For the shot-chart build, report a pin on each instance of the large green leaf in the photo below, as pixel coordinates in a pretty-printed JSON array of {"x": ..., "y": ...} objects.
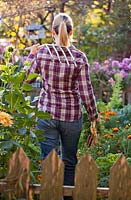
[
  {"x": 18, "y": 78},
  {"x": 32, "y": 76},
  {"x": 27, "y": 87},
  {"x": 14, "y": 98}
]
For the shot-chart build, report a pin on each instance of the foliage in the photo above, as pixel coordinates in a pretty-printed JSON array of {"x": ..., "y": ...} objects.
[
  {"x": 116, "y": 99},
  {"x": 114, "y": 138},
  {"x": 121, "y": 26},
  {"x": 104, "y": 164},
  {"x": 84, "y": 134},
  {"x": 18, "y": 115},
  {"x": 114, "y": 133},
  {"x": 93, "y": 38}
]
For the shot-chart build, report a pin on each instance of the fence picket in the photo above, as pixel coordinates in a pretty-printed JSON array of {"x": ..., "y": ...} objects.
[
  {"x": 17, "y": 179},
  {"x": 85, "y": 179},
  {"x": 120, "y": 180},
  {"x": 52, "y": 177}
]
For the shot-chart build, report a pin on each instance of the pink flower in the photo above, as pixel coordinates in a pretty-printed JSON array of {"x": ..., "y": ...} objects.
[{"x": 111, "y": 81}]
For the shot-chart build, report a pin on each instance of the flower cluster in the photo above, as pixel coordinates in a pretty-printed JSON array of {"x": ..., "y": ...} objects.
[
  {"x": 110, "y": 67},
  {"x": 5, "y": 119},
  {"x": 115, "y": 131},
  {"x": 107, "y": 114}
]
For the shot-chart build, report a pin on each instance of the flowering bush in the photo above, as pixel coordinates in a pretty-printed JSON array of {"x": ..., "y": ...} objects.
[
  {"x": 17, "y": 114},
  {"x": 111, "y": 67},
  {"x": 115, "y": 132},
  {"x": 104, "y": 75}
]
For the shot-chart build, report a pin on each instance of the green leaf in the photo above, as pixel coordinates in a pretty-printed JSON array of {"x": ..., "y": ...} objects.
[
  {"x": 3, "y": 67},
  {"x": 22, "y": 131},
  {"x": 27, "y": 63},
  {"x": 18, "y": 78},
  {"x": 43, "y": 115},
  {"x": 32, "y": 134},
  {"x": 27, "y": 87},
  {"x": 13, "y": 98},
  {"x": 39, "y": 131},
  {"x": 7, "y": 145},
  {"x": 1, "y": 134},
  {"x": 32, "y": 76}
]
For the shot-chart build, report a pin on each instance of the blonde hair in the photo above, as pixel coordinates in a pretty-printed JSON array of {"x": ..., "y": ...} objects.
[{"x": 62, "y": 25}]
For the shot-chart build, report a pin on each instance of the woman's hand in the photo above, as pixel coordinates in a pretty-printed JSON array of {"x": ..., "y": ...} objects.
[
  {"x": 34, "y": 49},
  {"x": 92, "y": 138}
]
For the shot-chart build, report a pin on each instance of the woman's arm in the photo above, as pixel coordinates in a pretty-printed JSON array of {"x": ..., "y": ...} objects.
[{"x": 86, "y": 92}]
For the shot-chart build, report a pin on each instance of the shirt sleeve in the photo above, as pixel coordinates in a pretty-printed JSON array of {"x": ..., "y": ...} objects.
[
  {"x": 34, "y": 64},
  {"x": 86, "y": 91}
]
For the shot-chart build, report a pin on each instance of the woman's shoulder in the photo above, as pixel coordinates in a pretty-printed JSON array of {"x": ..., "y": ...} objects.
[{"x": 78, "y": 53}]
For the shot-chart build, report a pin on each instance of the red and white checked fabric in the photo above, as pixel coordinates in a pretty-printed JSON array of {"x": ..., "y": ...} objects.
[{"x": 65, "y": 82}]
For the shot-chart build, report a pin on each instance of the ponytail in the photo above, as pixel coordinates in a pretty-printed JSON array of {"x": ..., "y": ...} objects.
[
  {"x": 62, "y": 25},
  {"x": 63, "y": 34}
]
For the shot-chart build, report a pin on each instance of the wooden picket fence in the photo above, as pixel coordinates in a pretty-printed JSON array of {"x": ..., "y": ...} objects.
[{"x": 17, "y": 181}]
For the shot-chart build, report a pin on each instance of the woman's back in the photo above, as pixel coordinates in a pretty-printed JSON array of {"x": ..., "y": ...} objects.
[{"x": 59, "y": 68}]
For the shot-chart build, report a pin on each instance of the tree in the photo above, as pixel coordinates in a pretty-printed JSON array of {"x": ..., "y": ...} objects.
[
  {"x": 102, "y": 28},
  {"x": 16, "y": 15}
]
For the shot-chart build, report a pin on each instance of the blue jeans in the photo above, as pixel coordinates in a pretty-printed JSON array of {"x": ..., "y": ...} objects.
[{"x": 63, "y": 133}]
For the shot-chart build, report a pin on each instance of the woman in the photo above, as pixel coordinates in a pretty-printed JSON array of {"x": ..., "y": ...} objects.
[{"x": 65, "y": 85}]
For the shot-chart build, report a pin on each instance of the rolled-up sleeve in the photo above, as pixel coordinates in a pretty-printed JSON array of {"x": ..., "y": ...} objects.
[{"x": 86, "y": 91}]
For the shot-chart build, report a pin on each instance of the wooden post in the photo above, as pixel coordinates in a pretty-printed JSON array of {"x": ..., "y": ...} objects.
[
  {"x": 85, "y": 179},
  {"x": 18, "y": 176},
  {"x": 120, "y": 180},
  {"x": 52, "y": 177}
]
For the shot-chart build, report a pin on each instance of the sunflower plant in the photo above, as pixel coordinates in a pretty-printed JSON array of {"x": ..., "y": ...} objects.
[{"x": 17, "y": 113}]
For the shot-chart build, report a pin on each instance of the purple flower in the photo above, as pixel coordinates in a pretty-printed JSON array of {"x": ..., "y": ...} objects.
[
  {"x": 96, "y": 67},
  {"x": 1, "y": 50},
  {"x": 129, "y": 66},
  {"x": 1, "y": 58},
  {"x": 102, "y": 69},
  {"x": 115, "y": 63},
  {"x": 125, "y": 66},
  {"x": 123, "y": 73},
  {"x": 126, "y": 61}
]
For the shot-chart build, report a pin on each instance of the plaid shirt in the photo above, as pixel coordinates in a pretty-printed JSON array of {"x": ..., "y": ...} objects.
[{"x": 65, "y": 82}]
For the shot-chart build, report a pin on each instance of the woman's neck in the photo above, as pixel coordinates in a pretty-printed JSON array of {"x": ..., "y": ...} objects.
[{"x": 57, "y": 43}]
